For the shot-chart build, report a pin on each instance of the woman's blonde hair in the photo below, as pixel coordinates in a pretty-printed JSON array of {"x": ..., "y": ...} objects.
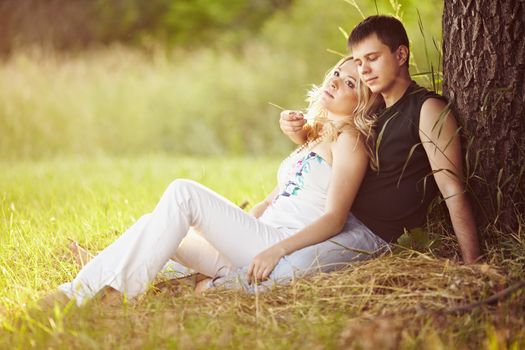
[{"x": 363, "y": 117}]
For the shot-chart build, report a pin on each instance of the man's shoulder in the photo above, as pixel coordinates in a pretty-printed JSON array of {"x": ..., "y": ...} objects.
[
  {"x": 429, "y": 101},
  {"x": 434, "y": 110},
  {"x": 422, "y": 94}
]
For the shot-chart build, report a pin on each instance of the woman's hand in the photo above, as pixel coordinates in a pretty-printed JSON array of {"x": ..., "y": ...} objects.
[{"x": 264, "y": 263}]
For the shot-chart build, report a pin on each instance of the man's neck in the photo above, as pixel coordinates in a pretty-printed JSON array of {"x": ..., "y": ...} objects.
[{"x": 396, "y": 90}]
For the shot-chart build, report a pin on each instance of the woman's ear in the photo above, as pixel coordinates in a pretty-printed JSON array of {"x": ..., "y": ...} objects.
[{"x": 402, "y": 54}]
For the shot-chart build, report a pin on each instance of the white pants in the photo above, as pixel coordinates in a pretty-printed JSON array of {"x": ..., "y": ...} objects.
[
  {"x": 223, "y": 237},
  {"x": 355, "y": 243}
]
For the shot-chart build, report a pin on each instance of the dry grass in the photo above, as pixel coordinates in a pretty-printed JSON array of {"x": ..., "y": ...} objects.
[{"x": 397, "y": 301}]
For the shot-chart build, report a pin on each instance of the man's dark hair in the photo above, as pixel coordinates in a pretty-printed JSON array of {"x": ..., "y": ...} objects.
[{"x": 388, "y": 29}]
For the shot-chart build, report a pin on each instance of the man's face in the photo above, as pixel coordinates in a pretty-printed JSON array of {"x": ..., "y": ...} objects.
[{"x": 378, "y": 67}]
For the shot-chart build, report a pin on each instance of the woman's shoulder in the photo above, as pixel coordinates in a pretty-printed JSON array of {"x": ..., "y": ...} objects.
[
  {"x": 348, "y": 140},
  {"x": 348, "y": 134}
]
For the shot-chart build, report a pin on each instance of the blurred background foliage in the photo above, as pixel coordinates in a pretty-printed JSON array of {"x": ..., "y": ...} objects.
[
  {"x": 67, "y": 24},
  {"x": 125, "y": 77}
]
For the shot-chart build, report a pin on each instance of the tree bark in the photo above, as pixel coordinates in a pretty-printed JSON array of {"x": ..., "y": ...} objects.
[{"x": 484, "y": 79}]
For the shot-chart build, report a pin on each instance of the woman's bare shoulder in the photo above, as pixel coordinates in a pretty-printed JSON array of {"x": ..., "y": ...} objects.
[{"x": 348, "y": 142}]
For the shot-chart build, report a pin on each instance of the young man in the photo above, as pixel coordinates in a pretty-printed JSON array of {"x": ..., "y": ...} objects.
[{"x": 419, "y": 149}]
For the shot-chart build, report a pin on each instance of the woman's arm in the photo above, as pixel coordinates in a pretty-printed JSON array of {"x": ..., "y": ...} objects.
[
  {"x": 349, "y": 164},
  {"x": 258, "y": 209}
]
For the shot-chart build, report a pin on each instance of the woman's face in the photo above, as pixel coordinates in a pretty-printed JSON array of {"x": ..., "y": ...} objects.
[{"x": 340, "y": 91}]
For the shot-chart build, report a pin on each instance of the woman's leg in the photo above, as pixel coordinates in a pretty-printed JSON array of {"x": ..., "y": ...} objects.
[
  {"x": 196, "y": 253},
  {"x": 80, "y": 254},
  {"x": 134, "y": 259}
]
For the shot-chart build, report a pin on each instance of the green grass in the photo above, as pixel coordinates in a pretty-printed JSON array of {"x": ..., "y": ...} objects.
[
  {"x": 122, "y": 101},
  {"x": 92, "y": 201},
  {"x": 62, "y": 113},
  {"x": 396, "y": 301}
]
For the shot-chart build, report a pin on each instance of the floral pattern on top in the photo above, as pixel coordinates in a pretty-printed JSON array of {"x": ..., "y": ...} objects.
[{"x": 303, "y": 166}]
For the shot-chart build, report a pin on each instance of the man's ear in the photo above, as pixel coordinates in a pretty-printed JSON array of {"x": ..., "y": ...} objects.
[{"x": 402, "y": 54}]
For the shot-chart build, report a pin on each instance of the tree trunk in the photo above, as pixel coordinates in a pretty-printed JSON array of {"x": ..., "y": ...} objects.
[{"x": 484, "y": 79}]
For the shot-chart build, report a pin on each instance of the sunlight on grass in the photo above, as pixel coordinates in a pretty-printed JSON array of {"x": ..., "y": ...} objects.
[
  {"x": 126, "y": 101},
  {"x": 93, "y": 201},
  {"x": 121, "y": 101},
  {"x": 90, "y": 140},
  {"x": 401, "y": 300}
]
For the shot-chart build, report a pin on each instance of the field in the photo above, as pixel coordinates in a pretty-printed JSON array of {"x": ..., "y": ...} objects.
[
  {"x": 402, "y": 300},
  {"x": 89, "y": 139}
]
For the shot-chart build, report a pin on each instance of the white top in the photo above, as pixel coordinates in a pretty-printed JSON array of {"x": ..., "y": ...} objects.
[{"x": 303, "y": 180}]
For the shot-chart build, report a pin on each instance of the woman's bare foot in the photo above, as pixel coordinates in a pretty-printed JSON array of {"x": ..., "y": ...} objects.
[
  {"x": 49, "y": 301},
  {"x": 202, "y": 285},
  {"x": 177, "y": 285},
  {"x": 81, "y": 255},
  {"x": 110, "y": 296}
]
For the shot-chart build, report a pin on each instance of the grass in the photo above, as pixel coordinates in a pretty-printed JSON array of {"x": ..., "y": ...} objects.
[
  {"x": 44, "y": 203},
  {"x": 123, "y": 101},
  {"x": 120, "y": 101},
  {"x": 401, "y": 300},
  {"x": 126, "y": 101}
]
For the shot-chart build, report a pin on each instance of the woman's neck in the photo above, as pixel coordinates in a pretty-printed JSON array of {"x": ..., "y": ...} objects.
[{"x": 336, "y": 117}]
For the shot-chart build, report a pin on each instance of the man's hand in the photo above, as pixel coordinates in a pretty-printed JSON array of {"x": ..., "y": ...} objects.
[
  {"x": 292, "y": 124},
  {"x": 264, "y": 263}
]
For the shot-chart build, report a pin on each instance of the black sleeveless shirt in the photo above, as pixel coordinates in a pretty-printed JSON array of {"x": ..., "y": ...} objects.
[{"x": 392, "y": 199}]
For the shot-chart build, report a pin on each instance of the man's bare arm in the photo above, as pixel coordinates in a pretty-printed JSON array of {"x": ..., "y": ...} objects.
[{"x": 438, "y": 132}]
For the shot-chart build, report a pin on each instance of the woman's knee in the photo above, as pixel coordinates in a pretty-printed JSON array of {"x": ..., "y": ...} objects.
[
  {"x": 181, "y": 184},
  {"x": 180, "y": 187}
]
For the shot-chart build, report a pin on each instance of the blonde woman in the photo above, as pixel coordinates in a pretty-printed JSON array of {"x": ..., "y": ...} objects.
[{"x": 317, "y": 184}]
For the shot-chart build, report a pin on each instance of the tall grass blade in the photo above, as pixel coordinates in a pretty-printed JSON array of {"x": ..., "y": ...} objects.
[
  {"x": 422, "y": 31},
  {"x": 344, "y": 33},
  {"x": 407, "y": 160},
  {"x": 276, "y": 105},
  {"x": 441, "y": 119},
  {"x": 432, "y": 173},
  {"x": 354, "y": 4},
  {"x": 377, "y": 8},
  {"x": 396, "y": 6},
  {"x": 452, "y": 138},
  {"x": 380, "y": 138},
  {"x": 340, "y": 54}
]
